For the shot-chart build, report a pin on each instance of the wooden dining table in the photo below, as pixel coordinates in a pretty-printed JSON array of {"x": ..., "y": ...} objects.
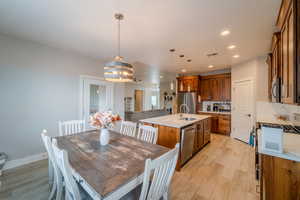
[{"x": 108, "y": 172}]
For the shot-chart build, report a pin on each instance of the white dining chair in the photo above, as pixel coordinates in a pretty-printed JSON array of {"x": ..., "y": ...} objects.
[
  {"x": 147, "y": 133},
  {"x": 162, "y": 170},
  {"x": 55, "y": 174},
  {"x": 72, "y": 190},
  {"x": 71, "y": 127},
  {"x": 128, "y": 128}
]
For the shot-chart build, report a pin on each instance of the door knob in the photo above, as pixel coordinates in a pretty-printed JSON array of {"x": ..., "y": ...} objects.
[{"x": 249, "y": 115}]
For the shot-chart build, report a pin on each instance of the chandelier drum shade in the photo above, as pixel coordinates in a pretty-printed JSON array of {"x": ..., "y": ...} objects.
[{"x": 118, "y": 70}]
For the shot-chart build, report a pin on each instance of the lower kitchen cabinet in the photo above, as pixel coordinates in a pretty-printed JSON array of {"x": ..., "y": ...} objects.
[
  {"x": 279, "y": 178},
  {"x": 202, "y": 136},
  {"x": 220, "y": 123}
]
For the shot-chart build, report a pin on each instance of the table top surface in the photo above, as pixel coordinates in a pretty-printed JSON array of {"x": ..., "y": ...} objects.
[{"x": 106, "y": 168}]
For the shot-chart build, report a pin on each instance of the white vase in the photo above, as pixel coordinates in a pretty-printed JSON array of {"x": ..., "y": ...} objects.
[{"x": 104, "y": 136}]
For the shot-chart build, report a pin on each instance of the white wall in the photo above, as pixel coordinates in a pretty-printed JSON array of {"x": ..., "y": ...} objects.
[
  {"x": 40, "y": 85},
  {"x": 264, "y": 110},
  {"x": 257, "y": 70}
]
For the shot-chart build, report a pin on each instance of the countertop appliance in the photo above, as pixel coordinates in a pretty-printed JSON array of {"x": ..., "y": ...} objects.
[
  {"x": 187, "y": 143},
  {"x": 189, "y": 99}
]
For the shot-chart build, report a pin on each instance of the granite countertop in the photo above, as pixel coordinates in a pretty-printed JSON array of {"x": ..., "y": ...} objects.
[
  {"x": 291, "y": 147},
  {"x": 174, "y": 120},
  {"x": 212, "y": 112},
  {"x": 278, "y": 121}
]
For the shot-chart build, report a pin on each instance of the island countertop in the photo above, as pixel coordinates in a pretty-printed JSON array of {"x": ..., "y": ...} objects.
[{"x": 174, "y": 120}]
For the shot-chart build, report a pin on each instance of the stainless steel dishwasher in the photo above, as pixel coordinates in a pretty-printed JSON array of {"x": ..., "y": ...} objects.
[{"x": 187, "y": 142}]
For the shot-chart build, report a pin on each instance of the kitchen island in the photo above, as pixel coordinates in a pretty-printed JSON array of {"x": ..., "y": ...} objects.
[{"x": 190, "y": 130}]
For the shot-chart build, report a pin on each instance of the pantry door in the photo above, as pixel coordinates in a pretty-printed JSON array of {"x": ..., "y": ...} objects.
[
  {"x": 242, "y": 109},
  {"x": 97, "y": 96}
]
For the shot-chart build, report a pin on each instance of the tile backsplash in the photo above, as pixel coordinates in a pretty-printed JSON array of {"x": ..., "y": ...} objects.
[{"x": 270, "y": 111}]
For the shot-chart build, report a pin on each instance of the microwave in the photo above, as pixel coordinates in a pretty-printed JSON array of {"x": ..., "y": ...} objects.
[{"x": 276, "y": 90}]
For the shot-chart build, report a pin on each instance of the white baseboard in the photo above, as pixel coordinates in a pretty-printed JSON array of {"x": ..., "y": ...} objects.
[{"x": 23, "y": 161}]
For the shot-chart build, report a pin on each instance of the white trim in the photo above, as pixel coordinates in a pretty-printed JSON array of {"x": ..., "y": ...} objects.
[{"x": 23, "y": 161}]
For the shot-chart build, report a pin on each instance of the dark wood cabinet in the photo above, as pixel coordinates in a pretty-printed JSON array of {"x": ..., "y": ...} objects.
[
  {"x": 199, "y": 137},
  {"x": 274, "y": 61},
  {"x": 215, "y": 124},
  {"x": 207, "y": 130},
  {"x": 187, "y": 83},
  {"x": 220, "y": 123},
  {"x": 205, "y": 90},
  {"x": 216, "y": 87},
  {"x": 224, "y": 124},
  {"x": 279, "y": 178},
  {"x": 287, "y": 55},
  {"x": 285, "y": 58}
]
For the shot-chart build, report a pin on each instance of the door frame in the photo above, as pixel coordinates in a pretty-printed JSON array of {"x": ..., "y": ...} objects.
[
  {"x": 253, "y": 112},
  {"x": 83, "y": 79}
]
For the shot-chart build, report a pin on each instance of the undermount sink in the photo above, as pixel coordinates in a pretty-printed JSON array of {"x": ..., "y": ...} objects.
[{"x": 188, "y": 118}]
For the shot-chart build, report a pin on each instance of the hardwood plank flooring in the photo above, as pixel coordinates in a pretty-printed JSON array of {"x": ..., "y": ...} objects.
[{"x": 223, "y": 170}]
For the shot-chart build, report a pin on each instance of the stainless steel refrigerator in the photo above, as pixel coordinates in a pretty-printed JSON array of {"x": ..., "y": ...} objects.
[{"x": 189, "y": 99}]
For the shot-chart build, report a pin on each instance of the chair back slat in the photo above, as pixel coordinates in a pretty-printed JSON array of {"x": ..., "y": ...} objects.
[
  {"x": 128, "y": 128},
  {"x": 148, "y": 134},
  {"x": 163, "y": 168},
  {"x": 71, "y": 127}
]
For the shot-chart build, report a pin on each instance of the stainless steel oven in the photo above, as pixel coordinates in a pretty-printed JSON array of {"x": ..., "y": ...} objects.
[{"x": 276, "y": 90}]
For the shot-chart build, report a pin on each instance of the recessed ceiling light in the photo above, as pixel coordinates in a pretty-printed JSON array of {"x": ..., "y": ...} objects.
[
  {"x": 210, "y": 66},
  {"x": 225, "y": 32},
  {"x": 172, "y": 50},
  {"x": 183, "y": 70},
  {"x": 181, "y": 56},
  {"x": 231, "y": 47},
  {"x": 236, "y": 56}
]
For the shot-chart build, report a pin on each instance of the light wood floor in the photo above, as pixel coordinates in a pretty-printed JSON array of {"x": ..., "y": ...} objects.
[{"x": 223, "y": 170}]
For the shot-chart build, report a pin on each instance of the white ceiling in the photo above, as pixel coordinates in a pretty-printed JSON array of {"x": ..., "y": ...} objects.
[{"x": 149, "y": 30}]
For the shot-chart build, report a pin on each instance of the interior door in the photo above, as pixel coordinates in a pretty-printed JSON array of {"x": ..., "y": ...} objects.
[
  {"x": 97, "y": 97},
  {"x": 138, "y": 100},
  {"x": 242, "y": 111}
]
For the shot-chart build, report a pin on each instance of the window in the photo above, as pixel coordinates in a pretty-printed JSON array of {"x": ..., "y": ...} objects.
[{"x": 154, "y": 100}]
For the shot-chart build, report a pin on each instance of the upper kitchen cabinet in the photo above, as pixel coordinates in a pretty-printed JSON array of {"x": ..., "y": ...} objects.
[
  {"x": 188, "y": 83},
  {"x": 274, "y": 62},
  {"x": 287, "y": 57},
  {"x": 216, "y": 87}
]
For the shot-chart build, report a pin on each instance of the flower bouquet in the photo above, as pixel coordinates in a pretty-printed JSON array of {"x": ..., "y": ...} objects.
[{"x": 104, "y": 121}]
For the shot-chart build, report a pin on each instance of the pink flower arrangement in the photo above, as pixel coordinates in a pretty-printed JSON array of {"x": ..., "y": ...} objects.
[{"x": 104, "y": 119}]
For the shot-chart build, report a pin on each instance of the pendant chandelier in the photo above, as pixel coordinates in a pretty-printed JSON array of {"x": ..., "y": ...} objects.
[{"x": 118, "y": 70}]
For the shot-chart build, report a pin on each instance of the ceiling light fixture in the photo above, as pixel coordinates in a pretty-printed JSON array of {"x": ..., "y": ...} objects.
[
  {"x": 236, "y": 56},
  {"x": 161, "y": 77},
  {"x": 210, "y": 66},
  {"x": 183, "y": 70},
  {"x": 118, "y": 70},
  {"x": 225, "y": 32},
  {"x": 231, "y": 47}
]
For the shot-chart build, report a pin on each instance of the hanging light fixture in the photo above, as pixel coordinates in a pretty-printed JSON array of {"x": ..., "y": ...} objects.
[{"x": 118, "y": 70}]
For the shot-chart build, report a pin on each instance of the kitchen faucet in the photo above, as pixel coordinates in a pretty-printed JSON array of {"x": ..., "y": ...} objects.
[{"x": 186, "y": 108}]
